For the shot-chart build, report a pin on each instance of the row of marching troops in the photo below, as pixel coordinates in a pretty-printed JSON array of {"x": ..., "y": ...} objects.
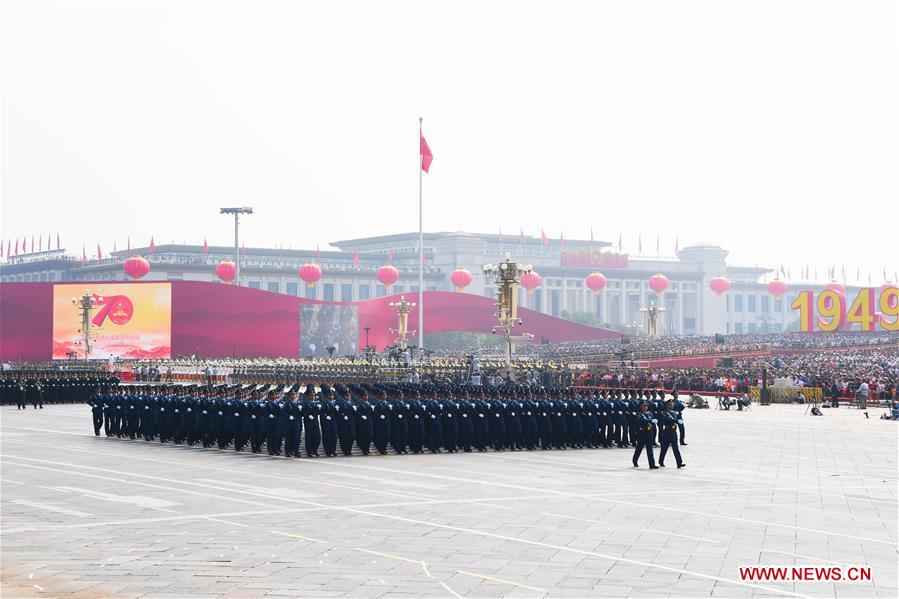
[
  {"x": 401, "y": 418},
  {"x": 53, "y": 387}
]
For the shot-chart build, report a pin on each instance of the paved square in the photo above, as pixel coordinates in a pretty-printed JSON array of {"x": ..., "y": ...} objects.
[{"x": 92, "y": 516}]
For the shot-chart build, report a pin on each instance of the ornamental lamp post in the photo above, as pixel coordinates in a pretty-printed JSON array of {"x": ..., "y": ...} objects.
[{"x": 507, "y": 276}]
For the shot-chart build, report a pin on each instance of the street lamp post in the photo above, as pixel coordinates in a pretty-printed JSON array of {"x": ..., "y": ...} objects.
[{"x": 236, "y": 212}]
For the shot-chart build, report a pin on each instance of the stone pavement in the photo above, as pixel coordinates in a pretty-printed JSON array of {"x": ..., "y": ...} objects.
[{"x": 98, "y": 517}]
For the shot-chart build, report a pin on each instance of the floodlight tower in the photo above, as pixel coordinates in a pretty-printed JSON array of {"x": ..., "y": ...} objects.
[{"x": 236, "y": 212}]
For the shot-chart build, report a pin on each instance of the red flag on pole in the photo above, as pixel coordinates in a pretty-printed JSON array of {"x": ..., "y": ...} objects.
[
  {"x": 426, "y": 156},
  {"x": 9, "y": 247},
  {"x": 205, "y": 247},
  {"x": 521, "y": 237},
  {"x": 152, "y": 246},
  {"x": 32, "y": 243},
  {"x": 40, "y": 243},
  {"x": 17, "y": 246},
  {"x": 543, "y": 236},
  {"x": 48, "y": 241},
  {"x": 355, "y": 258},
  {"x": 1, "y": 249},
  {"x": 58, "y": 246},
  {"x": 129, "y": 244},
  {"x": 83, "y": 254},
  {"x": 99, "y": 252}
]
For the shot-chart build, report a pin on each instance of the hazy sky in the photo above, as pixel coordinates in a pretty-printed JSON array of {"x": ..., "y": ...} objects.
[{"x": 769, "y": 128}]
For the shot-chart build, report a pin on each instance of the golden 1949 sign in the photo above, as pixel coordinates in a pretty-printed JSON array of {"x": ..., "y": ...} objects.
[{"x": 593, "y": 259}]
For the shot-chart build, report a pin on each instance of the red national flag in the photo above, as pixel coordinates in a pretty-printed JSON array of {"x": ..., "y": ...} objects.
[
  {"x": 58, "y": 246},
  {"x": 152, "y": 247},
  {"x": 17, "y": 246},
  {"x": 425, "y": 151},
  {"x": 129, "y": 244},
  {"x": 48, "y": 242},
  {"x": 205, "y": 247},
  {"x": 32, "y": 243},
  {"x": 99, "y": 252},
  {"x": 9, "y": 247},
  {"x": 1, "y": 249},
  {"x": 521, "y": 237},
  {"x": 355, "y": 258},
  {"x": 40, "y": 243},
  {"x": 562, "y": 238},
  {"x": 543, "y": 236},
  {"x": 83, "y": 254}
]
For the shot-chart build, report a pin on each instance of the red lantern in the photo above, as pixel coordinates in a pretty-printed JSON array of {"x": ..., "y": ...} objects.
[
  {"x": 719, "y": 285},
  {"x": 136, "y": 267},
  {"x": 461, "y": 278},
  {"x": 388, "y": 275},
  {"x": 777, "y": 287},
  {"x": 530, "y": 281},
  {"x": 834, "y": 286},
  {"x": 596, "y": 281},
  {"x": 310, "y": 273},
  {"x": 226, "y": 270},
  {"x": 658, "y": 283}
]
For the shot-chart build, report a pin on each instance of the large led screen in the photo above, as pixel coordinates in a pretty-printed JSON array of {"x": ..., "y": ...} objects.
[
  {"x": 328, "y": 325},
  {"x": 125, "y": 320}
]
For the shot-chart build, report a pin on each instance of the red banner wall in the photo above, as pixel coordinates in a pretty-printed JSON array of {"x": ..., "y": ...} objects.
[{"x": 215, "y": 320}]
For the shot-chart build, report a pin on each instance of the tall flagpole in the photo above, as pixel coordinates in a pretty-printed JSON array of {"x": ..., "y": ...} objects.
[{"x": 421, "y": 256}]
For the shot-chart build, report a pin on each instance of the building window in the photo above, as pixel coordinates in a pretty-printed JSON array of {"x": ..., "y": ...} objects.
[
  {"x": 689, "y": 324},
  {"x": 255, "y": 285},
  {"x": 328, "y": 292},
  {"x": 431, "y": 288},
  {"x": 398, "y": 289},
  {"x": 738, "y": 327},
  {"x": 727, "y": 298},
  {"x": 380, "y": 291},
  {"x": 293, "y": 289},
  {"x": 738, "y": 305},
  {"x": 310, "y": 292},
  {"x": 766, "y": 303},
  {"x": 364, "y": 292},
  {"x": 346, "y": 292},
  {"x": 555, "y": 303},
  {"x": 778, "y": 305},
  {"x": 751, "y": 303},
  {"x": 274, "y": 286},
  {"x": 538, "y": 300}
]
